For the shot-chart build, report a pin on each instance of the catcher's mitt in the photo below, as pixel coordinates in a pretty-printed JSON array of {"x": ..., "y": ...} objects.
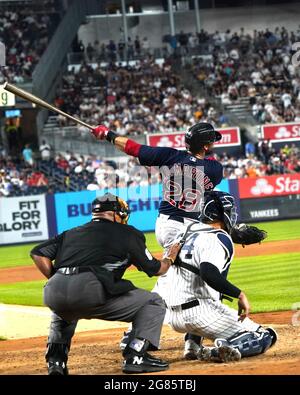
[{"x": 246, "y": 234}]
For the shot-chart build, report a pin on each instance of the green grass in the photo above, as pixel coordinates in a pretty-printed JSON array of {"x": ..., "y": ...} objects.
[
  {"x": 29, "y": 293},
  {"x": 13, "y": 256},
  {"x": 270, "y": 282},
  {"x": 281, "y": 230},
  {"x": 278, "y": 230},
  {"x": 2, "y": 338}
]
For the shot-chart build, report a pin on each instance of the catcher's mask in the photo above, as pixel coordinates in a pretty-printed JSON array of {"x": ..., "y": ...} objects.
[
  {"x": 110, "y": 202},
  {"x": 219, "y": 206}
]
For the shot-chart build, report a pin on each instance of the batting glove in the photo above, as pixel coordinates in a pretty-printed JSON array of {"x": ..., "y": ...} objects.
[{"x": 100, "y": 132}]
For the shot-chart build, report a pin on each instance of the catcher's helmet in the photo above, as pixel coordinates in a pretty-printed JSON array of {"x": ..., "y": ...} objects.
[
  {"x": 200, "y": 134},
  {"x": 110, "y": 202},
  {"x": 219, "y": 206}
]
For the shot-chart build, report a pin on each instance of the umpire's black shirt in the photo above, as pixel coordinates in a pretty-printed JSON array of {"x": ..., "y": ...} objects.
[{"x": 106, "y": 248}]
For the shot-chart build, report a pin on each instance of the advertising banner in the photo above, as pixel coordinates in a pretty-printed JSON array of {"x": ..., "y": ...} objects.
[
  {"x": 23, "y": 219},
  {"x": 281, "y": 132},
  {"x": 277, "y": 185},
  {"x": 230, "y": 137},
  {"x": 270, "y": 208},
  {"x": 74, "y": 208}
]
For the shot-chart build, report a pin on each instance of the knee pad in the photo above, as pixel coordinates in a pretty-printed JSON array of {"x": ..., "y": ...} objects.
[
  {"x": 249, "y": 343},
  {"x": 57, "y": 352}
]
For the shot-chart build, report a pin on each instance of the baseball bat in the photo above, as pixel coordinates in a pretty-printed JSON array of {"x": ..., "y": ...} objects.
[{"x": 36, "y": 100}]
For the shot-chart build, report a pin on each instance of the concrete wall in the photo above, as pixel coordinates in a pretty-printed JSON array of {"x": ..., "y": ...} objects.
[{"x": 154, "y": 27}]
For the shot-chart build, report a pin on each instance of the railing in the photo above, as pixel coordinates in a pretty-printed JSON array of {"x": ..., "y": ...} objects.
[
  {"x": 71, "y": 139},
  {"x": 106, "y": 56}
]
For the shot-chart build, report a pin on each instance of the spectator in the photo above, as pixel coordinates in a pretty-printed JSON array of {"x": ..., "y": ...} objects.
[
  {"x": 137, "y": 46},
  {"x": 45, "y": 151},
  {"x": 183, "y": 41},
  {"x": 145, "y": 45},
  {"x": 90, "y": 52},
  {"x": 249, "y": 149},
  {"x": 28, "y": 155}
]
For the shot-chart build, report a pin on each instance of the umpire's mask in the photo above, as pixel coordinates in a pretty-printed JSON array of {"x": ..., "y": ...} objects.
[
  {"x": 110, "y": 202},
  {"x": 219, "y": 206}
]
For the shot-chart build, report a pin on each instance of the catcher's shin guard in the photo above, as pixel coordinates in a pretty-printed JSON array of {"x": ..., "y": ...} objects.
[
  {"x": 57, "y": 358},
  {"x": 248, "y": 343}
]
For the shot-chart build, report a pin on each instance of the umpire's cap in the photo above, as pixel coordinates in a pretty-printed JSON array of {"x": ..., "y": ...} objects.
[
  {"x": 219, "y": 206},
  {"x": 110, "y": 202},
  {"x": 200, "y": 134}
]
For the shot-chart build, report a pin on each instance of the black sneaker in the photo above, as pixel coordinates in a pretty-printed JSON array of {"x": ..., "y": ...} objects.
[
  {"x": 143, "y": 364},
  {"x": 57, "y": 368}
]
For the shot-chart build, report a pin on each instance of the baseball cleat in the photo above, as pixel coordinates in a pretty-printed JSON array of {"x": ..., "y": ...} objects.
[
  {"x": 191, "y": 350},
  {"x": 273, "y": 334},
  {"x": 143, "y": 364},
  {"x": 219, "y": 354},
  {"x": 229, "y": 354},
  {"x": 57, "y": 368}
]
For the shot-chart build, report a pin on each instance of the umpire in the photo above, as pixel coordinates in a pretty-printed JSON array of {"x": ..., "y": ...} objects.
[{"x": 86, "y": 282}]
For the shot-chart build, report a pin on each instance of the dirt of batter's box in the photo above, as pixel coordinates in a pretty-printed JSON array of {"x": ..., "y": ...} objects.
[{"x": 97, "y": 353}]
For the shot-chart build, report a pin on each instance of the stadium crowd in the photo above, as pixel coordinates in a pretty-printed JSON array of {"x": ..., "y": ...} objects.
[
  {"x": 26, "y": 30},
  {"x": 70, "y": 172},
  {"x": 257, "y": 66},
  {"x": 148, "y": 97},
  {"x": 143, "y": 98}
]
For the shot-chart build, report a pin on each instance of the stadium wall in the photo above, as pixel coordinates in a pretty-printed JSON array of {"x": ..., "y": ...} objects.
[
  {"x": 156, "y": 26},
  {"x": 35, "y": 218}
]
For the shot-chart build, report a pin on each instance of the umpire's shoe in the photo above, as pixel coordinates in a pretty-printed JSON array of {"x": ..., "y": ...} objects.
[
  {"x": 137, "y": 360},
  {"x": 57, "y": 368},
  {"x": 57, "y": 358}
]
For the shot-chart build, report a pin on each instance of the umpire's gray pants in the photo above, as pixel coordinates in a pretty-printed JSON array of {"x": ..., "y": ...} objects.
[{"x": 77, "y": 296}]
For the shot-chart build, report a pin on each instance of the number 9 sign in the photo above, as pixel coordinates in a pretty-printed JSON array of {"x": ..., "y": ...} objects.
[{"x": 7, "y": 99}]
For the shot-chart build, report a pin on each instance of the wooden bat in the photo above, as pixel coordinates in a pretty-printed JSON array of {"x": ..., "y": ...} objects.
[{"x": 36, "y": 100}]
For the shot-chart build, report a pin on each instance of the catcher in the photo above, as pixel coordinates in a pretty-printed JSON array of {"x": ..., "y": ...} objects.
[{"x": 195, "y": 284}]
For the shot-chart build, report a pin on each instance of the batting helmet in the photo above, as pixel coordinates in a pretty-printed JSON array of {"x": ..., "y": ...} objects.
[
  {"x": 110, "y": 202},
  {"x": 219, "y": 206},
  {"x": 200, "y": 134}
]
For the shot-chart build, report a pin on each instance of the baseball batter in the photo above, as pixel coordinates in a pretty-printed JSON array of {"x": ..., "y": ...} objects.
[
  {"x": 194, "y": 287},
  {"x": 186, "y": 175}
]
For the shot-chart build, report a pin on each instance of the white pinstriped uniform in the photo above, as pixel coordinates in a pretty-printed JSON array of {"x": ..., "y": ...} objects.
[
  {"x": 211, "y": 318},
  {"x": 166, "y": 232}
]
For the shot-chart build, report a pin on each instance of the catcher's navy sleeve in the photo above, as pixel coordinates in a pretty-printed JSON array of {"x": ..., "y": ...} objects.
[{"x": 211, "y": 275}]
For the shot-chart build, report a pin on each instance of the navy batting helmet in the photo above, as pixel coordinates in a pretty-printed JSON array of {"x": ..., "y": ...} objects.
[
  {"x": 110, "y": 202},
  {"x": 219, "y": 206},
  {"x": 200, "y": 134}
]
